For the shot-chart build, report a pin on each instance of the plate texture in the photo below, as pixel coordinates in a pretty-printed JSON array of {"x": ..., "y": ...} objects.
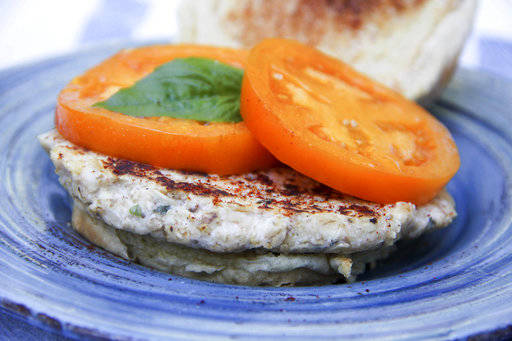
[{"x": 449, "y": 284}]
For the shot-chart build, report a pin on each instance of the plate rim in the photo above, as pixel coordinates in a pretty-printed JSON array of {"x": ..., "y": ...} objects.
[{"x": 20, "y": 309}]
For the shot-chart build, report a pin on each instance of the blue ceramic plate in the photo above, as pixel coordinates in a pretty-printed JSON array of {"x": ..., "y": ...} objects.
[{"x": 449, "y": 284}]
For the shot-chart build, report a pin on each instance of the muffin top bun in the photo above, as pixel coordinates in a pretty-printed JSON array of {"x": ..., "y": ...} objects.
[{"x": 409, "y": 45}]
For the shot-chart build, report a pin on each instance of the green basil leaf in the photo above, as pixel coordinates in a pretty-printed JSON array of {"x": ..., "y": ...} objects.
[
  {"x": 137, "y": 211},
  {"x": 192, "y": 88}
]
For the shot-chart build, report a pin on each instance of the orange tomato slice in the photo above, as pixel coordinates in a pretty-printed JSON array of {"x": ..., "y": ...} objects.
[
  {"x": 329, "y": 122},
  {"x": 222, "y": 148}
]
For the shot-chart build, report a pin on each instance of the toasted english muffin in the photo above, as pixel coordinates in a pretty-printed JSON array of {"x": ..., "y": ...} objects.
[{"x": 411, "y": 46}]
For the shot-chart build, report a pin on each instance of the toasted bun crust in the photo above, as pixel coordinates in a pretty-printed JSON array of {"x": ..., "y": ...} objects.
[{"x": 409, "y": 45}]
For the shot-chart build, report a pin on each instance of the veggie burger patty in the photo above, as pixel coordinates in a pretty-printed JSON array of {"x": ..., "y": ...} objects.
[{"x": 272, "y": 227}]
